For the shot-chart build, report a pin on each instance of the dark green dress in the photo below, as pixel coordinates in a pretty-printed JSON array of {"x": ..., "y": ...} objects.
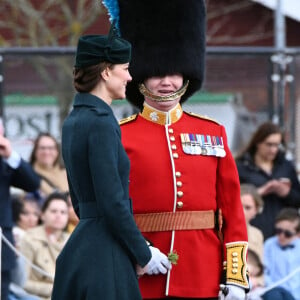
[{"x": 98, "y": 261}]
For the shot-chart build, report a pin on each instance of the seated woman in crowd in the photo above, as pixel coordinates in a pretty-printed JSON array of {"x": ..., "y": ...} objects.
[
  {"x": 26, "y": 215},
  {"x": 46, "y": 161},
  {"x": 252, "y": 205},
  {"x": 42, "y": 244},
  {"x": 263, "y": 164}
]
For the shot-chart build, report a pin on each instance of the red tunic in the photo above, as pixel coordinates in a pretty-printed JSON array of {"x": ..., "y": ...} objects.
[{"x": 163, "y": 178}]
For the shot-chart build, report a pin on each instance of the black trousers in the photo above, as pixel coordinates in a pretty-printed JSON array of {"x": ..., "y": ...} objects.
[{"x": 5, "y": 280}]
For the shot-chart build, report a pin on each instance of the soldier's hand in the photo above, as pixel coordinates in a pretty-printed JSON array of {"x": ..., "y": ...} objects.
[
  {"x": 159, "y": 262},
  {"x": 232, "y": 292}
]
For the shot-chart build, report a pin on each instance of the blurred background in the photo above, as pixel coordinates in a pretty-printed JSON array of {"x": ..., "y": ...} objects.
[{"x": 252, "y": 68}]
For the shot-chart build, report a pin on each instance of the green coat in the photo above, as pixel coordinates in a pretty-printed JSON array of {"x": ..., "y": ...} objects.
[{"x": 98, "y": 262}]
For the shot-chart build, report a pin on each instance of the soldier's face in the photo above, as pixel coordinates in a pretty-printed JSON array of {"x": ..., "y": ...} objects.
[{"x": 164, "y": 86}]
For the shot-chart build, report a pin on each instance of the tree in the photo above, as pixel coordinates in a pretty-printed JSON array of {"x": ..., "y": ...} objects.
[{"x": 35, "y": 23}]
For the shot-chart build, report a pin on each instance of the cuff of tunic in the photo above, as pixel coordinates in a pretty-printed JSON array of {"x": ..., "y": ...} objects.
[{"x": 236, "y": 265}]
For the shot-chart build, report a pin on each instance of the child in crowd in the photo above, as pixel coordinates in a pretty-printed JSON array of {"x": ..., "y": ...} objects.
[
  {"x": 257, "y": 290},
  {"x": 282, "y": 252},
  {"x": 26, "y": 215}
]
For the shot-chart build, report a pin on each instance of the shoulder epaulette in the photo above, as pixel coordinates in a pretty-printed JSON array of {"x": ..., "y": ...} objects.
[
  {"x": 202, "y": 117},
  {"x": 128, "y": 119}
]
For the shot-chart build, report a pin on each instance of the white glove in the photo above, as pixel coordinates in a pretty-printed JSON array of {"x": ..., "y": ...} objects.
[
  {"x": 232, "y": 292},
  {"x": 158, "y": 263},
  {"x": 235, "y": 293}
]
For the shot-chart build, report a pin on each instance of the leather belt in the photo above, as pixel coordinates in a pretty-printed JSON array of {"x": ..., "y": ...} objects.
[{"x": 183, "y": 220}]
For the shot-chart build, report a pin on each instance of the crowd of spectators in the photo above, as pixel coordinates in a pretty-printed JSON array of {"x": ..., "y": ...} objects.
[
  {"x": 37, "y": 216},
  {"x": 270, "y": 194}
]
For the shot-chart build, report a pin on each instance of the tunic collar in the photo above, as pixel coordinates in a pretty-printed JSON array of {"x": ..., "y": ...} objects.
[{"x": 161, "y": 117}]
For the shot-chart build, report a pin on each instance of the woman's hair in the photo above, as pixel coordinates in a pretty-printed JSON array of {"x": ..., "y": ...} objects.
[
  {"x": 32, "y": 159},
  {"x": 250, "y": 189},
  {"x": 18, "y": 205},
  {"x": 54, "y": 196},
  {"x": 261, "y": 133},
  {"x": 17, "y": 208},
  {"x": 85, "y": 79}
]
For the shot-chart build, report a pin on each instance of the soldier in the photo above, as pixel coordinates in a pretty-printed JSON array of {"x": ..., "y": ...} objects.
[{"x": 182, "y": 172}]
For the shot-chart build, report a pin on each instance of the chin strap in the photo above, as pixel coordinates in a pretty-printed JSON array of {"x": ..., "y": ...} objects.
[{"x": 143, "y": 90}]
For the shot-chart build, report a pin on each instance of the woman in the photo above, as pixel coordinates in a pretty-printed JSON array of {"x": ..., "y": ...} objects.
[
  {"x": 252, "y": 205},
  {"x": 45, "y": 160},
  {"x": 42, "y": 244},
  {"x": 263, "y": 164},
  {"x": 26, "y": 215},
  {"x": 99, "y": 260}
]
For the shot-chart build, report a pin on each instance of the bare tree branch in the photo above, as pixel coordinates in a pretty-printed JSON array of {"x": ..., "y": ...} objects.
[{"x": 49, "y": 23}]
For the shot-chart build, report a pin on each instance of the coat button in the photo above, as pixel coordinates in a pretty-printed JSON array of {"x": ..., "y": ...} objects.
[
  {"x": 179, "y": 204},
  {"x": 179, "y": 194},
  {"x": 172, "y": 138},
  {"x": 175, "y": 155},
  {"x": 174, "y": 147},
  {"x": 179, "y": 183},
  {"x": 178, "y": 174},
  {"x": 171, "y": 130}
]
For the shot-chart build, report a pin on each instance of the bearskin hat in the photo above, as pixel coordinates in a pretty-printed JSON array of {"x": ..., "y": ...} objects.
[{"x": 167, "y": 37}]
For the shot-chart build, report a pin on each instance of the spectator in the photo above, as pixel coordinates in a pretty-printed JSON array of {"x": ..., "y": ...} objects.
[
  {"x": 252, "y": 205},
  {"x": 26, "y": 214},
  {"x": 14, "y": 171},
  {"x": 255, "y": 268},
  {"x": 263, "y": 164},
  {"x": 282, "y": 252},
  {"x": 257, "y": 291},
  {"x": 41, "y": 245},
  {"x": 73, "y": 219},
  {"x": 46, "y": 161}
]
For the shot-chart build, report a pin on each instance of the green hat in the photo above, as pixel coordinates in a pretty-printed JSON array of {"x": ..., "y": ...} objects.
[{"x": 94, "y": 49}]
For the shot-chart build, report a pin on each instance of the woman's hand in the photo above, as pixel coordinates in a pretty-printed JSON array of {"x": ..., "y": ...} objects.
[
  {"x": 279, "y": 187},
  {"x": 140, "y": 271},
  {"x": 266, "y": 189},
  {"x": 282, "y": 187}
]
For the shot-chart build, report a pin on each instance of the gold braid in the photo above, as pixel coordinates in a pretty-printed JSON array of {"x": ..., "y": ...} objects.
[{"x": 157, "y": 98}]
